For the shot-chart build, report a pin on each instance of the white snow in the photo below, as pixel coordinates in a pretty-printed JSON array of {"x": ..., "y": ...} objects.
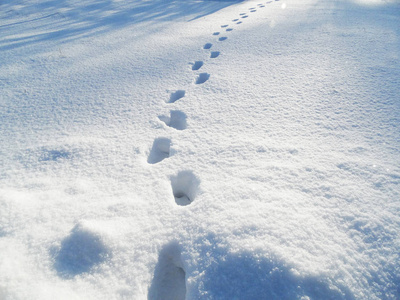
[{"x": 188, "y": 149}]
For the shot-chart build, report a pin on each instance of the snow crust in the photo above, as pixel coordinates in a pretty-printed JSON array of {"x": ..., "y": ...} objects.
[{"x": 199, "y": 149}]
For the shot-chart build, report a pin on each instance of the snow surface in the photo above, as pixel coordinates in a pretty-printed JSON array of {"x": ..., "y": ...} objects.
[{"x": 182, "y": 149}]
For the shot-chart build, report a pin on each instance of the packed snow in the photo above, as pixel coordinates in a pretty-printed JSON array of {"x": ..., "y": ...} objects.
[{"x": 194, "y": 149}]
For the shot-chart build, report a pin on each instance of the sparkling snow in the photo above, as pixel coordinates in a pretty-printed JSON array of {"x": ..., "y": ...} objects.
[{"x": 189, "y": 149}]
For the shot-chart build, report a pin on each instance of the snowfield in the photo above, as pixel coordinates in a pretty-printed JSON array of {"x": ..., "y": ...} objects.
[{"x": 194, "y": 149}]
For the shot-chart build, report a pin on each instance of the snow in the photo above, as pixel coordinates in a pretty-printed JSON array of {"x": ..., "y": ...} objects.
[{"x": 199, "y": 149}]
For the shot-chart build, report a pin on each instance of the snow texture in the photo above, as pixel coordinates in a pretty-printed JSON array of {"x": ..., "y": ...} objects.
[{"x": 185, "y": 149}]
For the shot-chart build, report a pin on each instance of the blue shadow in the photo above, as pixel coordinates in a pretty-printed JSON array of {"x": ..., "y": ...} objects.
[
  {"x": 248, "y": 276},
  {"x": 91, "y": 19},
  {"x": 80, "y": 252},
  {"x": 54, "y": 155}
]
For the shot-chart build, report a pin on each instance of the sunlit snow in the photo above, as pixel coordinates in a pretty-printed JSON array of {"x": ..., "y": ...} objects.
[{"x": 197, "y": 149}]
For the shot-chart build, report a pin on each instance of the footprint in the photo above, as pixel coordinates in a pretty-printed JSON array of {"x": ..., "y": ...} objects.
[
  {"x": 222, "y": 38},
  {"x": 197, "y": 65},
  {"x": 207, "y": 46},
  {"x": 216, "y": 33},
  {"x": 235, "y": 20},
  {"x": 159, "y": 151},
  {"x": 214, "y": 54},
  {"x": 254, "y": 10},
  {"x": 242, "y": 14},
  {"x": 203, "y": 77},
  {"x": 175, "y": 96},
  {"x": 244, "y": 17},
  {"x": 185, "y": 186},
  {"x": 239, "y": 22},
  {"x": 177, "y": 120},
  {"x": 169, "y": 276},
  {"x": 223, "y": 26},
  {"x": 229, "y": 29}
]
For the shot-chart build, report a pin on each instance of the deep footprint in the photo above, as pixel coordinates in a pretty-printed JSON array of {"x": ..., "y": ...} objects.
[
  {"x": 235, "y": 20},
  {"x": 244, "y": 17},
  {"x": 175, "y": 96},
  {"x": 214, "y": 54},
  {"x": 197, "y": 65},
  {"x": 216, "y": 33},
  {"x": 229, "y": 29},
  {"x": 223, "y": 26},
  {"x": 203, "y": 77},
  {"x": 169, "y": 276},
  {"x": 222, "y": 38},
  {"x": 185, "y": 186},
  {"x": 177, "y": 120},
  {"x": 239, "y": 22},
  {"x": 207, "y": 46},
  {"x": 159, "y": 151}
]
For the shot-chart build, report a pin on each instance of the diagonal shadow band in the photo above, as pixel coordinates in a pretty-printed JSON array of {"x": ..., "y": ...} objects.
[{"x": 86, "y": 19}]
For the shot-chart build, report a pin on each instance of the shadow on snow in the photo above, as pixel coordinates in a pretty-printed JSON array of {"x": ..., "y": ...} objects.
[
  {"x": 248, "y": 275},
  {"x": 80, "y": 252},
  {"x": 62, "y": 21}
]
